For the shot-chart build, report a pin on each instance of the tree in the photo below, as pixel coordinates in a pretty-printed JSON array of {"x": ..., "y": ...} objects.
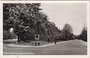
[
  {"x": 26, "y": 20},
  {"x": 66, "y": 32},
  {"x": 68, "y": 28},
  {"x": 83, "y": 35}
]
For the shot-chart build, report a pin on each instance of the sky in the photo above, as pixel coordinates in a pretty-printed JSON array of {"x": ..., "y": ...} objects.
[{"x": 74, "y": 14}]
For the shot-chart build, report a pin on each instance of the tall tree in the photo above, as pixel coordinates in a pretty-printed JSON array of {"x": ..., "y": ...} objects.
[
  {"x": 67, "y": 32},
  {"x": 68, "y": 28},
  {"x": 83, "y": 35},
  {"x": 26, "y": 19}
]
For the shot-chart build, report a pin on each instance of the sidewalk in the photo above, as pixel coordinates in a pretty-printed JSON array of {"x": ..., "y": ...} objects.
[{"x": 46, "y": 45}]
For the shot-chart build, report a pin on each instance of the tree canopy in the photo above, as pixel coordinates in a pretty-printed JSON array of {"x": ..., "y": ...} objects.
[
  {"x": 83, "y": 35},
  {"x": 68, "y": 28},
  {"x": 67, "y": 32},
  {"x": 27, "y": 20}
]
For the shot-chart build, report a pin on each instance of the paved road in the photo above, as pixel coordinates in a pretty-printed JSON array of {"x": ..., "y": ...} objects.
[{"x": 72, "y": 47}]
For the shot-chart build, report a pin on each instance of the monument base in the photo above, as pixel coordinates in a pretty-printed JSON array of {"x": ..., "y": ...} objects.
[{"x": 37, "y": 43}]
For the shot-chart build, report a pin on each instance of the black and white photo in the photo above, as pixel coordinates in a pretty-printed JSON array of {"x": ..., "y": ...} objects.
[{"x": 45, "y": 29}]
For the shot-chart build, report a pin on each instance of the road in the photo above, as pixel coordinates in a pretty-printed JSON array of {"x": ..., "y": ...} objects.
[{"x": 72, "y": 47}]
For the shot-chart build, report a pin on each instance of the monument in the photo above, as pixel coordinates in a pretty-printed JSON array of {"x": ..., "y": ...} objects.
[{"x": 37, "y": 37}]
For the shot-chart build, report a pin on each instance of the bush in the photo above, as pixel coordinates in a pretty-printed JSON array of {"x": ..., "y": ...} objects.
[{"x": 8, "y": 35}]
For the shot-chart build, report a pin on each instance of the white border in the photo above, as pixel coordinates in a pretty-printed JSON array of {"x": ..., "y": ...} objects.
[
  {"x": 40, "y": 56},
  {"x": 44, "y": 1}
]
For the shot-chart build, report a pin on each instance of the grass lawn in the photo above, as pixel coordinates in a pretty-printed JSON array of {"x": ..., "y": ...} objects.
[{"x": 72, "y": 47}]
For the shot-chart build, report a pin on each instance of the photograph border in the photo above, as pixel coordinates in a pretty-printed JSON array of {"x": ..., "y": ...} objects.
[{"x": 40, "y": 56}]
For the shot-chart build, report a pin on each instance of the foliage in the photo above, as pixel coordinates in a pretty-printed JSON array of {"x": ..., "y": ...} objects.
[
  {"x": 83, "y": 35},
  {"x": 27, "y": 20},
  {"x": 67, "y": 28},
  {"x": 8, "y": 35},
  {"x": 66, "y": 33}
]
